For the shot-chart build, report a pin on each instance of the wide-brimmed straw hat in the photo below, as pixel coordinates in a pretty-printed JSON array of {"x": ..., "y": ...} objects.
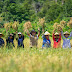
[
  {"x": 1, "y": 34},
  {"x": 33, "y": 31},
  {"x": 56, "y": 33},
  {"x": 46, "y": 33},
  {"x": 19, "y": 33},
  {"x": 66, "y": 33}
]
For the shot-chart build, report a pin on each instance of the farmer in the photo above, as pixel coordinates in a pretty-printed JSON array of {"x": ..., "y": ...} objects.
[
  {"x": 20, "y": 39},
  {"x": 10, "y": 40},
  {"x": 46, "y": 40},
  {"x": 66, "y": 39},
  {"x": 1, "y": 40},
  {"x": 33, "y": 38},
  {"x": 56, "y": 40}
]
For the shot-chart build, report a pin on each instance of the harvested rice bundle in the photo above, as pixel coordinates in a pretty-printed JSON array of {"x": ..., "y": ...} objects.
[
  {"x": 10, "y": 24},
  {"x": 27, "y": 26},
  {"x": 7, "y": 26},
  {"x": 71, "y": 18},
  {"x": 69, "y": 24},
  {"x": 59, "y": 27},
  {"x": 63, "y": 23},
  {"x": 41, "y": 22},
  {"x": 55, "y": 25},
  {"x": 15, "y": 25}
]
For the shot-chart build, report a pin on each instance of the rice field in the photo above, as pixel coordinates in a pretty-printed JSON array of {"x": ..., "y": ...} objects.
[{"x": 35, "y": 60}]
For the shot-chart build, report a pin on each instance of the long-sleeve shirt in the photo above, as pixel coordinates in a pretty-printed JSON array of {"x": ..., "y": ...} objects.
[
  {"x": 10, "y": 41},
  {"x": 66, "y": 41},
  {"x": 46, "y": 42},
  {"x": 1, "y": 42},
  {"x": 57, "y": 42},
  {"x": 20, "y": 40}
]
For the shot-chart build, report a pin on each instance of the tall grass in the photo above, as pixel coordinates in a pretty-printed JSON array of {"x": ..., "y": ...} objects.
[{"x": 35, "y": 60}]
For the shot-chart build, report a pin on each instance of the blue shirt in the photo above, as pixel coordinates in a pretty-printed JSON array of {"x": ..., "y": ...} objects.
[
  {"x": 46, "y": 43},
  {"x": 10, "y": 41},
  {"x": 1, "y": 41},
  {"x": 20, "y": 41},
  {"x": 66, "y": 41}
]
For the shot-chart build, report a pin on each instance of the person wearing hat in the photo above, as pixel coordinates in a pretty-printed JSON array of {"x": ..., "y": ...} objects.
[
  {"x": 56, "y": 39},
  {"x": 10, "y": 40},
  {"x": 66, "y": 36},
  {"x": 46, "y": 40},
  {"x": 20, "y": 39},
  {"x": 1, "y": 40},
  {"x": 33, "y": 38}
]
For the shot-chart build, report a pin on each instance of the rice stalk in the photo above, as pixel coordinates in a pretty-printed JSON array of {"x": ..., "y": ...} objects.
[
  {"x": 27, "y": 26},
  {"x": 63, "y": 23},
  {"x": 15, "y": 25}
]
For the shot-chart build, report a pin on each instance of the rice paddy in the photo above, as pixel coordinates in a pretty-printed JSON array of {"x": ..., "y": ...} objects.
[{"x": 35, "y": 60}]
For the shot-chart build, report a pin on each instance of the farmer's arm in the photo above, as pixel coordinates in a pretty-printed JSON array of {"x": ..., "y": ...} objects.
[
  {"x": 62, "y": 35},
  {"x": 23, "y": 36},
  {"x": 3, "y": 42},
  {"x": 28, "y": 33},
  {"x": 16, "y": 36},
  {"x": 71, "y": 35},
  {"x": 44, "y": 42},
  {"x": 53, "y": 34},
  {"x": 7, "y": 40},
  {"x": 43, "y": 36},
  {"x": 13, "y": 44},
  {"x": 7, "y": 34},
  {"x": 38, "y": 32}
]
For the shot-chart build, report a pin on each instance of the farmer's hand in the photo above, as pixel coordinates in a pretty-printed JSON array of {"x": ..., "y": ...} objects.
[
  {"x": 38, "y": 29},
  {"x": 53, "y": 30},
  {"x": 47, "y": 42},
  {"x": 16, "y": 31},
  {"x": 61, "y": 29},
  {"x": 22, "y": 33}
]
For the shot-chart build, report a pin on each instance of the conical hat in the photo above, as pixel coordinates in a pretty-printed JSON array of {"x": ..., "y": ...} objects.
[
  {"x": 46, "y": 33},
  {"x": 66, "y": 33},
  {"x": 1, "y": 34},
  {"x": 56, "y": 33}
]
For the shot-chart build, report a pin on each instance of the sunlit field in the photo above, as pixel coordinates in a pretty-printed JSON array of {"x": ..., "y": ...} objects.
[{"x": 35, "y": 60}]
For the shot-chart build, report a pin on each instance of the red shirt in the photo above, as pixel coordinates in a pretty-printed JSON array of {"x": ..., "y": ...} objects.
[{"x": 57, "y": 44}]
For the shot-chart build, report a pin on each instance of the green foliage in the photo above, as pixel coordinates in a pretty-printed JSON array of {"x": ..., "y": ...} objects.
[
  {"x": 32, "y": 10},
  {"x": 20, "y": 10}
]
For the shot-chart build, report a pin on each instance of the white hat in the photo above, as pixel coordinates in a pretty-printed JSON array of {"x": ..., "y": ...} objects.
[
  {"x": 66, "y": 33},
  {"x": 46, "y": 33},
  {"x": 19, "y": 33},
  {"x": 56, "y": 33},
  {"x": 1, "y": 34}
]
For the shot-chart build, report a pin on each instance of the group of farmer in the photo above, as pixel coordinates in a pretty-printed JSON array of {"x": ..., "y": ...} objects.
[{"x": 66, "y": 36}]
